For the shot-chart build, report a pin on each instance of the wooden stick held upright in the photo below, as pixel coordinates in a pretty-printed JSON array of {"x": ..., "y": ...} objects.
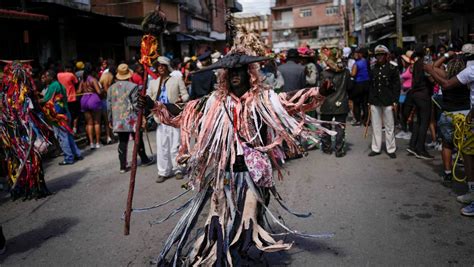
[
  {"x": 369, "y": 115},
  {"x": 153, "y": 24}
]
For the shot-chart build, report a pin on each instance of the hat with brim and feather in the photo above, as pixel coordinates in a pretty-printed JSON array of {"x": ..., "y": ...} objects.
[{"x": 234, "y": 61}]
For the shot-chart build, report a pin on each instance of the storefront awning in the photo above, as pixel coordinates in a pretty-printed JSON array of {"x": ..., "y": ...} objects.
[
  {"x": 181, "y": 37},
  {"x": 13, "y": 14},
  {"x": 131, "y": 26}
]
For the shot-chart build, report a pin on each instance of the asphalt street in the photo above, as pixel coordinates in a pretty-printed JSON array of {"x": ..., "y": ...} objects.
[{"x": 383, "y": 212}]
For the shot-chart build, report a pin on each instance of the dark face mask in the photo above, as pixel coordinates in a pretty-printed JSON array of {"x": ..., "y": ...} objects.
[{"x": 239, "y": 81}]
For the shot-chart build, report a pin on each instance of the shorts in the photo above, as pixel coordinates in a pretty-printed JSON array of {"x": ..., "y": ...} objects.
[
  {"x": 446, "y": 127},
  {"x": 91, "y": 102}
]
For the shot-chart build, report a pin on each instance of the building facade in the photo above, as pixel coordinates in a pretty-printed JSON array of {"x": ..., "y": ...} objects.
[
  {"x": 427, "y": 22},
  {"x": 314, "y": 23}
]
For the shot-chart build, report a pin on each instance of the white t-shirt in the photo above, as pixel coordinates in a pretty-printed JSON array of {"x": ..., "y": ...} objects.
[
  {"x": 466, "y": 77},
  {"x": 176, "y": 73}
]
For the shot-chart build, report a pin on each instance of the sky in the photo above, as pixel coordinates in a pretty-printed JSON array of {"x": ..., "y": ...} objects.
[{"x": 256, "y": 6}]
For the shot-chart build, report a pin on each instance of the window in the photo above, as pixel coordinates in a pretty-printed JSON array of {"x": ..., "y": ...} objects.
[
  {"x": 332, "y": 10},
  {"x": 305, "y": 12}
]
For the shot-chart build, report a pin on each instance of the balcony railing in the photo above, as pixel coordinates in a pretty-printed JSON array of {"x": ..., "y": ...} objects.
[{"x": 282, "y": 24}]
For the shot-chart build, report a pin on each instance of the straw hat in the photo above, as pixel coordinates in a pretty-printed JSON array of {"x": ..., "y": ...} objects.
[
  {"x": 407, "y": 56},
  {"x": 80, "y": 65},
  {"x": 165, "y": 61},
  {"x": 123, "y": 72}
]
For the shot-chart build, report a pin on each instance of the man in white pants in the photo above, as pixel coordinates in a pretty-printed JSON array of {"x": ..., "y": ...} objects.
[
  {"x": 168, "y": 90},
  {"x": 383, "y": 96}
]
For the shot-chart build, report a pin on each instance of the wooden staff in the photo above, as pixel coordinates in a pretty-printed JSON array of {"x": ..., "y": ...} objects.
[
  {"x": 133, "y": 171},
  {"x": 369, "y": 115},
  {"x": 153, "y": 24}
]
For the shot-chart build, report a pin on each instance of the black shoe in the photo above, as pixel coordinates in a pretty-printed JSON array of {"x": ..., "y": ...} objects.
[
  {"x": 327, "y": 151},
  {"x": 373, "y": 153},
  {"x": 392, "y": 155},
  {"x": 148, "y": 162},
  {"x": 125, "y": 170},
  {"x": 447, "y": 179},
  {"x": 62, "y": 163},
  {"x": 412, "y": 151},
  {"x": 3, "y": 242},
  {"x": 424, "y": 155},
  {"x": 78, "y": 158},
  {"x": 340, "y": 154}
]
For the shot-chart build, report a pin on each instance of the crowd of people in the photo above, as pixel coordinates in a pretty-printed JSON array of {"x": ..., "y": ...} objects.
[
  {"x": 401, "y": 94},
  {"x": 244, "y": 113}
]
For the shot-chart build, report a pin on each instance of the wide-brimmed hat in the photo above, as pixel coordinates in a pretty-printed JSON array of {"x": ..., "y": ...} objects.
[
  {"x": 232, "y": 61},
  {"x": 79, "y": 65},
  {"x": 292, "y": 53},
  {"x": 407, "y": 57},
  {"x": 123, "y": 72},
  {"x": 381, "y": 49},
  {"x": 165, "y": 61}
]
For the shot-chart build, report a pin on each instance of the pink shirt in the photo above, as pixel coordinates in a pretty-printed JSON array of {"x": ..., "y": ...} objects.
[
  {"x": 407, "y": 77},
  {"x": 68, "y": 80}
]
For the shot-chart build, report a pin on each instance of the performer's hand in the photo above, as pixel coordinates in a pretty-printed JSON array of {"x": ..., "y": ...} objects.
[
  {"x": 327, "y": 88},
  {"x": 145, "y": 102}
]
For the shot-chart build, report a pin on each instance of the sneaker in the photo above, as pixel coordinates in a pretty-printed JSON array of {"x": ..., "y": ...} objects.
[
  {"x": 412, "y": 151},
  {"x": 447, "y": 179},
  {"x": 356, "y": 124},
  {"x": 109, "y": 141},
  {"x": 148, "y": 163},
  {"x": 431, "y": 145},
  {"x": 160, "y": 179},
  {"x": 125, "y": 170},
  {"x": 92, "y": 146},
  {"x": 3, "y": 242},
  {"x": 466, "y": 198},
  {"x": 392, "y": 155},
  {"x": 401, "y": 135},
  {"x": 468, "y": 210},
  {"x": 373, "y": 153},
  {"x": 407, "y": 136},
  {"x": 424, "y": 155},
  {"x": 97, "y": 145},
  {"x": 179, "y": 176}
]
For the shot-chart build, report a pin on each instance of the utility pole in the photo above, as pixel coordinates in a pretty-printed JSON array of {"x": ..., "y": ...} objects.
[
  {"x": 398, "y": 14},
  {"x": 362, "y": 22},
  {"x": 348, "y": 21}
]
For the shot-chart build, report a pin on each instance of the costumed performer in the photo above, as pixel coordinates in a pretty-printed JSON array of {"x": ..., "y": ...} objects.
[{"x": 239, "y": 130}]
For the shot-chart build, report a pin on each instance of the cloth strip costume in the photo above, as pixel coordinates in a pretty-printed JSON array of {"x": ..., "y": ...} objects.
[
  {"x": 239, "y": 132},
  {"x": 25, "y": 131}
]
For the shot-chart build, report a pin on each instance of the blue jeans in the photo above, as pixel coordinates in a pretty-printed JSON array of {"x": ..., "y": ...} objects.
[{"x": 68, "y": 146}]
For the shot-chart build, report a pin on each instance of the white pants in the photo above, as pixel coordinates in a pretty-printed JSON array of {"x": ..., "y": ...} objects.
[
  {"x": 380, "y": 113},
  {"x": 167, "y": 146}
]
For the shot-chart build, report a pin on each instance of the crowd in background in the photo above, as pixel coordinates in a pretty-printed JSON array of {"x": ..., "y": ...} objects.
[{"x": 403, "y": 94}]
